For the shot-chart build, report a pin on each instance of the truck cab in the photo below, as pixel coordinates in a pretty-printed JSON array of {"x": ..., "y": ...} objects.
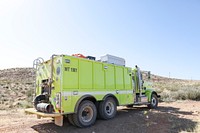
[{"x": 143, "y": 91}]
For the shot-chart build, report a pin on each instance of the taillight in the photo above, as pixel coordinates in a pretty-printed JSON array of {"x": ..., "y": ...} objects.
[{"x": 58, "y": 100}]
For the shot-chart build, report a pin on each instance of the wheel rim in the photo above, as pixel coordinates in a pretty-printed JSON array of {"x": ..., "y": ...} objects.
[
  {"x": 153, "y": 101},
  {"x": 109, "y": 108},
  {"x": 87, "y": 114}
]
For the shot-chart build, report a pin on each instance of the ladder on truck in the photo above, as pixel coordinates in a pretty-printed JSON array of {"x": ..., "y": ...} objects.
[{"x": 36, "y": 63}]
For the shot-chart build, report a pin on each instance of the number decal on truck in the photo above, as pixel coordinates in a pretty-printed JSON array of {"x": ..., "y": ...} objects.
[{"x": 71, "y": 69}]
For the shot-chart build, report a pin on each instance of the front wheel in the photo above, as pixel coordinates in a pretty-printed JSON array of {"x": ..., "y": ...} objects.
[
  {"x": 154, "y": 102},
  {"x": 86, "y": 115}
]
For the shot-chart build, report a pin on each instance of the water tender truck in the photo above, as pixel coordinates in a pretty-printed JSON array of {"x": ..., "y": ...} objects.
[{"x": 81, "y": 88}]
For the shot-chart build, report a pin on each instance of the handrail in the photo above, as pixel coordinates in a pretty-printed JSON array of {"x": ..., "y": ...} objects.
[{"x": 51, "y": 79}]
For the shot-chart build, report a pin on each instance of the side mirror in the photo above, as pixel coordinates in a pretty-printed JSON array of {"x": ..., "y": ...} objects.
[{"x": 149, "y": 75}]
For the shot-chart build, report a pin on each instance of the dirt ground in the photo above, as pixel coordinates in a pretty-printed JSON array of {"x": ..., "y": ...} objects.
[{"x": 175, "y": 117}]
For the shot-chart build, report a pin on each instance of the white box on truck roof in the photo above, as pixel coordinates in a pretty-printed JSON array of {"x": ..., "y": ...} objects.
[{"x": 113, "y": 60}]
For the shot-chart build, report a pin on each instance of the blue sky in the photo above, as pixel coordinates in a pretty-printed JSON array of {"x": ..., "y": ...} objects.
[{"x": 162, "y": 36}]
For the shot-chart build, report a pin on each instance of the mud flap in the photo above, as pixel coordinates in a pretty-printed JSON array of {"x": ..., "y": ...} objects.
[{"x": 59, "y": 120}]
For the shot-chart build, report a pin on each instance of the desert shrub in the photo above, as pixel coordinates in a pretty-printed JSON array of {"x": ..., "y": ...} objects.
[
  {"x": 188, "y": 92},
  {"x": 158, "y": 90},
  {"x": 29, "y": 93},
  {"x": 194, "y": 94},
  {"x": 24, "y": 104},
  {"x": 179, "y": 95},
  {"x": 166, "y": 97},
  {"x": 23, "y": 92}
]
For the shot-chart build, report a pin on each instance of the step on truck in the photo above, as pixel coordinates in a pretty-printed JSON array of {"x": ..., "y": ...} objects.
[{"x": 81, "y": 88}]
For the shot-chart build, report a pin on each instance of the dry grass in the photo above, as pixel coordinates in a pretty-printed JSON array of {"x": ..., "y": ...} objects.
[{"x": 175, "y": 89}]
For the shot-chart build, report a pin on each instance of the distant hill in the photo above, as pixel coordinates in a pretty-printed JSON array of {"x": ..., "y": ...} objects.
[
  {"x": 16, "y": 87},
  {"x": 17, "y": 75}
]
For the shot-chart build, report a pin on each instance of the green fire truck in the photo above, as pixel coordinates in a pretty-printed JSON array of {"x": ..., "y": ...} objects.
[{"x": 81, "y": 88}]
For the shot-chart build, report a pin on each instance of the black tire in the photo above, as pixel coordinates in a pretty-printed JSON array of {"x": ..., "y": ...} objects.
[
  {"x": 154, "y": 102},
  {"x": 86, "y": 115},
  {"x": 107, "y": 108},
  {"x": 70, "y": 119}
]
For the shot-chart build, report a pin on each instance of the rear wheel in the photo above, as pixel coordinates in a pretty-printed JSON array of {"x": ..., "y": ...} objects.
[
  {"x": 154, "y": 102},
  {"x": 107, "y": 108},
  {"x": 86, "y": 115}
]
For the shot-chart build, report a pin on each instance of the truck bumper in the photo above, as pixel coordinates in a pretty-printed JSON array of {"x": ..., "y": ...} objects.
[{"x": 58, "y": 117}]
